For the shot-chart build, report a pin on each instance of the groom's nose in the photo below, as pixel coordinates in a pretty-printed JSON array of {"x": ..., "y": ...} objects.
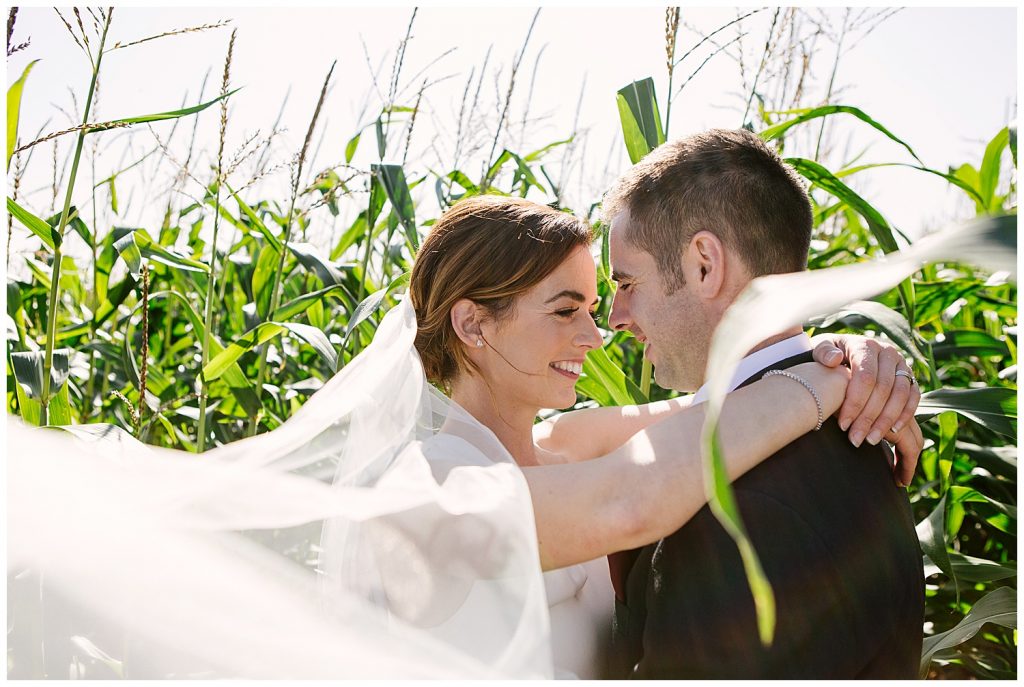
[{"x": 619, "y": 318}]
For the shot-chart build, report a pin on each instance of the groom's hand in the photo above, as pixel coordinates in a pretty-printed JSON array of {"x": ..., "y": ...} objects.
[{"x": 880, "y": 403}]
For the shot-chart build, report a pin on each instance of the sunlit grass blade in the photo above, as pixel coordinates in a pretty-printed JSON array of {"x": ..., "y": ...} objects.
[
  {"x": 14, "y": 109},
  {"x": 971, "y": 190},
  {"x": 989, "y": 172},
  {"x": 40, "y": 228},
  {"x": 160, "y": 116},
  {"x": 806, "y": 114}
]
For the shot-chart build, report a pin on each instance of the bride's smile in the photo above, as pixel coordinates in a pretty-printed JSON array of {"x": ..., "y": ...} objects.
[{"x": 533, "y": 355}]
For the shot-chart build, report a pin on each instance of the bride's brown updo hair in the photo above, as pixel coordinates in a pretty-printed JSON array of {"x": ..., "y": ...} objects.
[{"x": 488, "y": 249}]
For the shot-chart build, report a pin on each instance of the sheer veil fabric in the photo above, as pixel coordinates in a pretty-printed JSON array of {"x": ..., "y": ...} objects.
[{"x": 380, "y": 532}]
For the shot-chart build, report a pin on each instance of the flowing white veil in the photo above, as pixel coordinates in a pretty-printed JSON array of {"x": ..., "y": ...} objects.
[{"x": 380, "y": 532}]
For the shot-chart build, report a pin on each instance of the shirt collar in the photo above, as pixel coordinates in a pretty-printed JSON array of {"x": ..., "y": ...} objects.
[{"x": 760, "y": 359}]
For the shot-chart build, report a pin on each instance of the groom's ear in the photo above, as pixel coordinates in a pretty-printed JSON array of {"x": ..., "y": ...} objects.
[
  {"x": 466, "y": 316},
  {"x": 704, "y": 264}
]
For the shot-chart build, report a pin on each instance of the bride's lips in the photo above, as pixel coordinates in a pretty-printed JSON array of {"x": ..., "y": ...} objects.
[{"x": 569, "y": 374}]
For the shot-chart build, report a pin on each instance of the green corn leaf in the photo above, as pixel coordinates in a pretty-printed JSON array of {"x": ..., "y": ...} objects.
[
  {"x": 948, "y": 425},
  {"x": 350, "y": 147},
  {"x": 59, "y": 410},
  {"x": 879, "y": 227},
  {"x": 972, "y": 191},
  {"x": 310, "y": 257},
  {"x": 316, "y": 315},
  {"x": 998, "y": 460},
  {"x": 28, "y": 376},
  {"x": 160, "y": 116},
  {"x": 931, "y": 533},
  {"x": 29, "y": 408},
  {"x": 1004, "y": 516},
  {"x": 263, "y": 277},
  {"x": 233, "y": 376},
  {"x": 369, "y": 305},
  {"x": 378, "y": 128},
  {"x": 994, "y": 408},
  {"x": 28, "y": 370},
  {"x": 1013, "y": 143},
  {"x": 302, "y": 303},
  {"x": 392, "y": 178},
  {"x": 964, "y": 342},
  {"x": 989, "y": 172},
  {"x": 257, "y": 222},
  {"x": 807, "y": 114},
  {"x": 37, "y": 226},
  {"x": 133, "y": 244},
  {"x": 640, "y": 117},
  {"x": 541, "y": 152},
  {"x": 599, "y": 367},
  {"x": 998, "y": 606},
  {"x": 263, "y": 333},
  {"x": 128, "y": 249},
  {"x": 76, "y": 223},
  {"x": 971, "y": 570},
  {"x": 824, "y": 179},
  {"x": 14, "y": 110}
]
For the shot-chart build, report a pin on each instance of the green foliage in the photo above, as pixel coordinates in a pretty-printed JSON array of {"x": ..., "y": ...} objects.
[{"x": 14, "y": 109}]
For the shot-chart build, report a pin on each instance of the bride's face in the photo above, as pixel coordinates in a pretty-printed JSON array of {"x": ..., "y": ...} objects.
[{"x": 536, "y": 351}]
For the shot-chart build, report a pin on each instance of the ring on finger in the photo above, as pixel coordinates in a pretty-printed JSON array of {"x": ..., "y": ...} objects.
[{"x": 908, "y": 375}]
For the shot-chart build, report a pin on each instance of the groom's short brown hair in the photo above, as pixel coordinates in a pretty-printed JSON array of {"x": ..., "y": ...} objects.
[{"x": 728, "y": 182}]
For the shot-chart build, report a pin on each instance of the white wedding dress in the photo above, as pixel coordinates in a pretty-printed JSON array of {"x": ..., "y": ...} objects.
[
  {"x": 580, "y": 598},
  {"x": 581, "y": 602},
  {"x": 380, "y": 532}
]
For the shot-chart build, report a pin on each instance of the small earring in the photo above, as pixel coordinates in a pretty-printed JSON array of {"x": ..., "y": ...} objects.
[{"x": 479, "y": 343}]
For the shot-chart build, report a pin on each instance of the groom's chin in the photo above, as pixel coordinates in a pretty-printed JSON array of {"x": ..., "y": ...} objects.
[{"x": 667, "y": 378}]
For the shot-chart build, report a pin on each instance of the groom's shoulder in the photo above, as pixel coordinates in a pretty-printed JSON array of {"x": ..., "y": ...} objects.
[{"x": 819, "y": 467}]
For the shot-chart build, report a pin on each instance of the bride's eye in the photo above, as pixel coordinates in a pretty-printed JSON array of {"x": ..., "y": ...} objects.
[
  {"x": 567, "y": 313},
  {"x": 594, "y": 315}
]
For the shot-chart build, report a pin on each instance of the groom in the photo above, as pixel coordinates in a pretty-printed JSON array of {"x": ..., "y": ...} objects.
[{"x": 691, "y": 225}]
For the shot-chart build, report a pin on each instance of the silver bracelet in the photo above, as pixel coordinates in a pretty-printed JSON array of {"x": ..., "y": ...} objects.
[{"x": 807, "y": 385}]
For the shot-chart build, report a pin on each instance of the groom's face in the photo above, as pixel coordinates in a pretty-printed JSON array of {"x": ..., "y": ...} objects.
[{"x": 674, "y": 326}]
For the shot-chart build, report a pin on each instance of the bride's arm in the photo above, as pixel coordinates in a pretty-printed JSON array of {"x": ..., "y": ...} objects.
[
  {"x": 874, "y": 399},
  {"x": 653, "y": 484},
  {"x": 592, "y": 432}
]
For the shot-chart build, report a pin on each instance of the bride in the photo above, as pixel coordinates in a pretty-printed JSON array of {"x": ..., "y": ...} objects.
[{"x": 438, "y": 513}]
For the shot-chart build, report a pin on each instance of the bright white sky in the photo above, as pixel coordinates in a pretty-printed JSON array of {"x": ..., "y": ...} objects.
[{"x": 942, "y": 79}]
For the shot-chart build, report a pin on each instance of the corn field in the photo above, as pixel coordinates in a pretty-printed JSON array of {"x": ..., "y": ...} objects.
[{"x": 219, "y": 321}]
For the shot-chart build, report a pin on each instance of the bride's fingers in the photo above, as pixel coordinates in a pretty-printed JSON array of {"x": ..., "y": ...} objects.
[
  {"x": 907, "y": 444},
  {"x": 898, "y": 409},
  {"x": 862, "y": 427}
]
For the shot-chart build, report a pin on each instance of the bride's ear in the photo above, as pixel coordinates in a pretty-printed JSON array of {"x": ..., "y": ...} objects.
[{"x": 466, "y": 317}]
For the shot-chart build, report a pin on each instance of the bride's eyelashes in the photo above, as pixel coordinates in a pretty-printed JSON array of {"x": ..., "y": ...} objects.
[{"x": 569, "y": 313}]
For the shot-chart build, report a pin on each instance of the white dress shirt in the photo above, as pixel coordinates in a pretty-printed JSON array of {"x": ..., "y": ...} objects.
[{"x": 760, "y": 359}]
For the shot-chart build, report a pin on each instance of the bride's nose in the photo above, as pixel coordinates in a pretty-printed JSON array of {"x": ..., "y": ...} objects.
[{"x": 590, "y": 337}]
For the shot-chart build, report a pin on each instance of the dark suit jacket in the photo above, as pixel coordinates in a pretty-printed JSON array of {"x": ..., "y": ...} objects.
[{"x": 836, "y": 538}]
